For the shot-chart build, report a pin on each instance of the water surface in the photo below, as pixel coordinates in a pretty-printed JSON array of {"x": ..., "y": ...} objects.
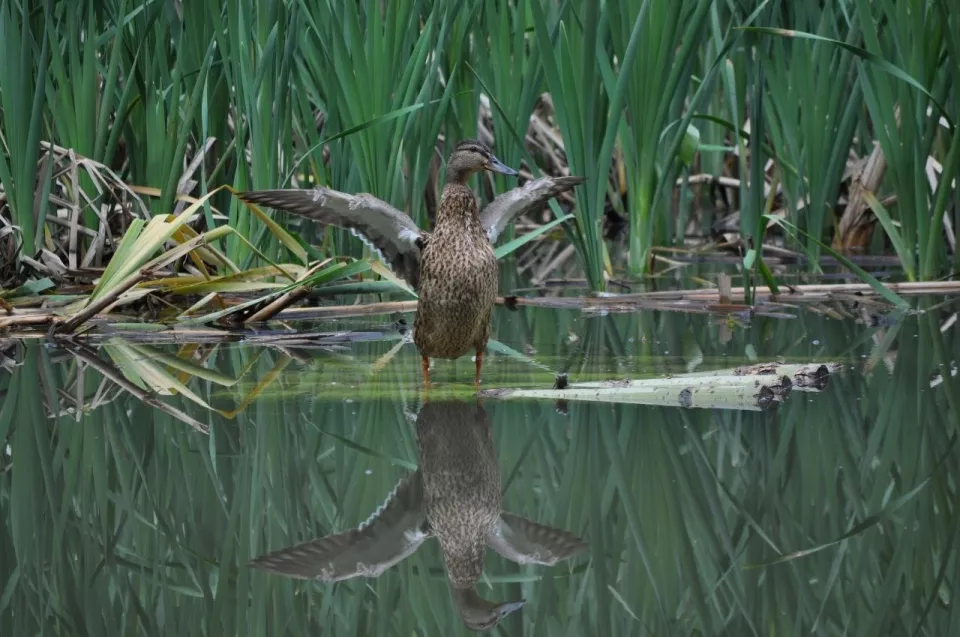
[{"x": 834, "y": 512}]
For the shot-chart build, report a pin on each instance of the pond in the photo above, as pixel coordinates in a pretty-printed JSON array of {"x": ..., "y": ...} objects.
[{"x": 142, "y": 475}]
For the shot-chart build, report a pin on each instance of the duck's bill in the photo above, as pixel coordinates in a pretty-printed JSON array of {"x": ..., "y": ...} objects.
[
  {"x": 498, "y": 166},
  {"x": 508, "y": 607}
]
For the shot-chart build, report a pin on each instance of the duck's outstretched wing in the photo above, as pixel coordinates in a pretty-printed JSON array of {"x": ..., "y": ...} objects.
[
  {"x": 500, "y": 212},
  {"x": 388, "y": 231},
  {"x": 525, "y": 542},
  {"x": 391, "y": 534}
]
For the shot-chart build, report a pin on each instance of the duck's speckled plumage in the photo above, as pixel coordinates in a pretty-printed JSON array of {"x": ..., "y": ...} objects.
[
  {"x": 454, "y": 496},
  {"x": 458, "y": 280},
  {"x": 453, "y": 269},
  {"x": 461, "y": 484}
]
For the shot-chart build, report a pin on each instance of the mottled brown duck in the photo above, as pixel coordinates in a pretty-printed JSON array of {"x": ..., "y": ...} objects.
[
  {"x": 453, "y": 268},
  {"x": 454, "y": 496}
]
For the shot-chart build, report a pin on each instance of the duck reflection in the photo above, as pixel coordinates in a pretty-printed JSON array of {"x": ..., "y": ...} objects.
[{"x": 455, "y": 496}]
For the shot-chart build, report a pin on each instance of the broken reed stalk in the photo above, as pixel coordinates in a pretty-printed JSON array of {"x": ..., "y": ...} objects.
[
  {"x": 84, "y": 315},
  {"x": 856, "y": 223},
  {"x": 753, "y": 393},
  {"x": 279, "y": 304},
  {"x": 280, "y": 309},
  {"x": 793, "y": 294},
  {"x": 27, "y": 320},
  {"x": 344, "y": 311},
  {"x": 110, "y": 372},
  {"x": 286, "y": 299}
]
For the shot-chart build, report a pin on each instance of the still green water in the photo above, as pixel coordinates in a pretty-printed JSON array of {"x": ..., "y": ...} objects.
[{"x": 832, "y": 513}]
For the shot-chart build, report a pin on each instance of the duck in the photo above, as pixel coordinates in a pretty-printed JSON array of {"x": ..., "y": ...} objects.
[
  {"x": 453, "y": 269},
  {"x": 453, "y": 496}
]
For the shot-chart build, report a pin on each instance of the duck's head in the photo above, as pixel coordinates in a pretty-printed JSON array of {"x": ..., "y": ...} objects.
[
  {"x": 479, "y": 614},
  {"x": 471, "y": 156}
]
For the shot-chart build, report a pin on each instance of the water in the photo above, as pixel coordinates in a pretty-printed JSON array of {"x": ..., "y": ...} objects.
[{"x": 833, "y": 512}]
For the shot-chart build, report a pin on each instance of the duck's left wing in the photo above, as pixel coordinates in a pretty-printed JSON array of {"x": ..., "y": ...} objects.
[
  {"x": 388, "y": 231},
  {"x": 500, "y": 213},
  {"x": 525, "y": 542},
  {"x": 391, "y": 534}
]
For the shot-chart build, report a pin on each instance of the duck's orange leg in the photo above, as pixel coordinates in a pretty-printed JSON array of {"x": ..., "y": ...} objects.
[
  {"x": 425, "y": 365},
  {"x": 476, "y": 380}
]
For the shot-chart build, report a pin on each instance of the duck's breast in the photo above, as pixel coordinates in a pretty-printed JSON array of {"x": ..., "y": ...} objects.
[{"x": 458, "y": 288}]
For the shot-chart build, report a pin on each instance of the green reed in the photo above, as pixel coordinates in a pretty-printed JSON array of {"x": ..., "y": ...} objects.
[{"x": 260, "y": 92}]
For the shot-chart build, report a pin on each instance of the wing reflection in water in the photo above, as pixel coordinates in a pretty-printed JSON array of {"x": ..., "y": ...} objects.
[{"x": 454, "y": 496}]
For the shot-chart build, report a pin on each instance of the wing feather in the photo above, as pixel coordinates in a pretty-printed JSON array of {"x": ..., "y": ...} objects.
[
  {"x": 501, "y": 212},
  {"x": 391, "y": 534},
  {"x": 388, "y": 231},
  {"x": 526, "y": 542}
]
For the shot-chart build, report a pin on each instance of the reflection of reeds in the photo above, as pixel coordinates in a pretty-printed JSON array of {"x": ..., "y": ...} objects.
[
  {"x": 148, "y": 398},
  {"x": 150, "y": 374},
  {"x": 684, "y": 510}
]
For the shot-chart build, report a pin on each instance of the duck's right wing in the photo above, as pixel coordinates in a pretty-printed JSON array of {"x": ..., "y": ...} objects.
[
  {"x": 388, "y": 231},
  {"x": 525, "y": 542},
  {"x": 500, "y": 213},
  {"x": 391, "y": 534}
]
